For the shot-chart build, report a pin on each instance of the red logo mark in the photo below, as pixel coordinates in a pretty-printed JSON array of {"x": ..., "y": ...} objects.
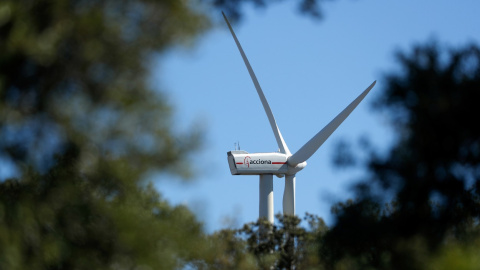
[{"x": 247, "y": 161}]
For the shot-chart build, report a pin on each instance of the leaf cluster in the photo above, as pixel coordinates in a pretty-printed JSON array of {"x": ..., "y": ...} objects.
[{"x": 262, "y": 245}]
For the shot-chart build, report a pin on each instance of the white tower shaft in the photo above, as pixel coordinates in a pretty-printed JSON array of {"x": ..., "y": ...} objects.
[{"x": 266, "y": 197}]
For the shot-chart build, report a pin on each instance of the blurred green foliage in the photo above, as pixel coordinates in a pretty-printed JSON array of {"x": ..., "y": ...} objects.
[
  {"x": 61, "y": 220},
  {"x": 81, "y": 127},
  {"x": 75, "y": 73},
  {"x": 431, "y": 175},
  {"x": 261, "y": 245},
  {"x": 233, "y": 8}
]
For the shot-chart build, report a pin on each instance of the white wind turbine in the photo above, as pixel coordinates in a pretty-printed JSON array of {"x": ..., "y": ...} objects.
[{"x": 281, "y": 163}]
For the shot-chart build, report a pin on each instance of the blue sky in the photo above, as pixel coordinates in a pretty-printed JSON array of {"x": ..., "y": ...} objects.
[{"x": 309, "y": 71}]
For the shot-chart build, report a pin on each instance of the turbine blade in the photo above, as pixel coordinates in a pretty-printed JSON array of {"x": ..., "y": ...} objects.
[
  {"x": 312, "y": 146},
  {"x": 276, "y": 131}
]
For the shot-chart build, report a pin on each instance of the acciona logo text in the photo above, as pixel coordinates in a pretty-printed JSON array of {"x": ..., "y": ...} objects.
[
  {"x": 260, "y": 161},
  {"x": 247, "y": 161}
]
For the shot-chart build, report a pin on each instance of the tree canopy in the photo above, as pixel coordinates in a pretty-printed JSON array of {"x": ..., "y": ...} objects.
[
  {"x": 73, "y": 74},
  {"x": 80, "y": 127},
  {"x": 430, "y": 178}
]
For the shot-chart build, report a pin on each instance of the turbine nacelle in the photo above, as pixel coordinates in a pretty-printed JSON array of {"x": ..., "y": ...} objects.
[{"x": 244, "y": 163}]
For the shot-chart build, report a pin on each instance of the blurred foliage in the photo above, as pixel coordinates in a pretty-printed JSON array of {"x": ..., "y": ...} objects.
[
  {"x": 431, "y": 174},
  {"x": 233, "y": 8},
  {"x": 290, "y": 245},
  {"x": 61, "y": 220},
  {"x": 75, "y": 72},
  {"x": 80, "y": 128},
  {"x": 261, "y": 245},
  {"x": 342, "y": 156}
]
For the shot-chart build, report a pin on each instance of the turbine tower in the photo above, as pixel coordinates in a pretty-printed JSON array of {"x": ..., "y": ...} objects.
[{"x": 282, "y": 163}]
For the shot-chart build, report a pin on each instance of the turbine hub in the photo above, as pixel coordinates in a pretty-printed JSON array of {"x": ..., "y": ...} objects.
[{"x": 293, "y": 170}]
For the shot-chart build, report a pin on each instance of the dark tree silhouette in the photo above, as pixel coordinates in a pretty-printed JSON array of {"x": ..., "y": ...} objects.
[
  {"x": 80, "y": 127},
  {"x": 433, "y": 168},
  {"x": 233, "y": 8},
  {"x": 261, "y": 245}
]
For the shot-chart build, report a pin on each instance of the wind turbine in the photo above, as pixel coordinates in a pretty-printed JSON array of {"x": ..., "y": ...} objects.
[{"x": 282, "y": 163}]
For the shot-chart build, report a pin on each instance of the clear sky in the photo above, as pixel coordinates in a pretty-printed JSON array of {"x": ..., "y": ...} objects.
[{"x": 309, "y": 70}]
